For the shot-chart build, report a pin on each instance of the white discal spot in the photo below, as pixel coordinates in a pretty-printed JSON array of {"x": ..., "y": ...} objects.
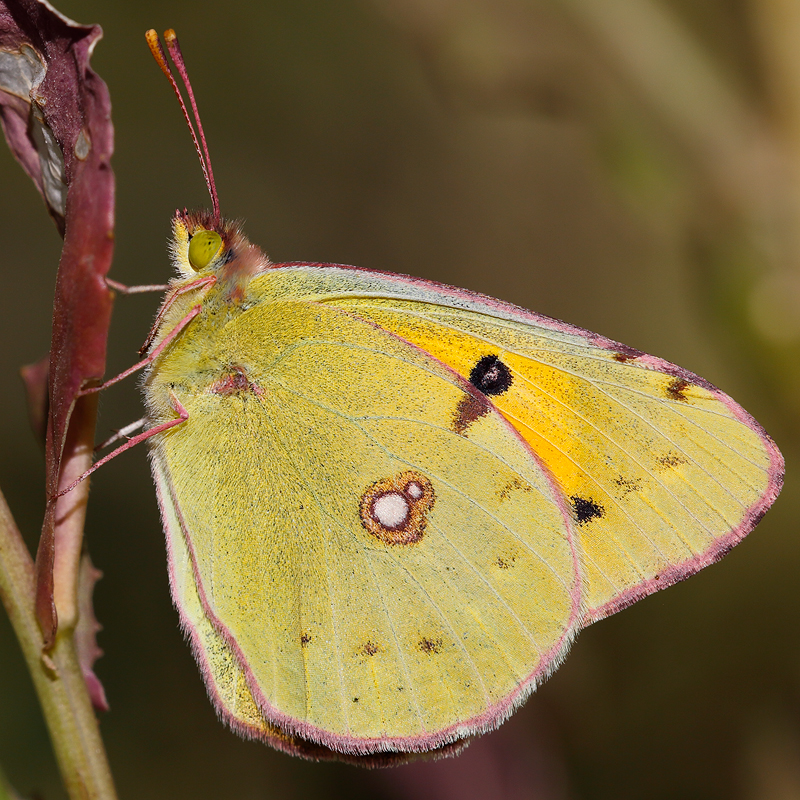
[
  {"x": 414, "y": 490},
  {"x": 395, "y": 509},
  {"x": 390, "y": 510}
]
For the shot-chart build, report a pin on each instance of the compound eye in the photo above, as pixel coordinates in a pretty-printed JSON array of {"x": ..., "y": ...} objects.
[{"x": 203, "y": 246}]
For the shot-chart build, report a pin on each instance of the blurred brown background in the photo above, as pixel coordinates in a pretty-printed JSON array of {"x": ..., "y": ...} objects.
[{"x": 630, "y": 166}]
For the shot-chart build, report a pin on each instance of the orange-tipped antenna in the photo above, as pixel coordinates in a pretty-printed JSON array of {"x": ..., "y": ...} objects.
[{"x": 157, "y": 50}]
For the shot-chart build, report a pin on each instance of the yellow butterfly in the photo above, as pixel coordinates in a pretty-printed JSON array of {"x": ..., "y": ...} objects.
[{"x": 390, "y": 505}]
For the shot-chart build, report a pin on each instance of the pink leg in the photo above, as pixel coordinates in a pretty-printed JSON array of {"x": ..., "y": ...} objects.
[
  {"x": 123, "y": 289},
  {"x": 183, "y": 415},
  {"x": 150, "y": 357},
  {"x": 206, "y": 283}
]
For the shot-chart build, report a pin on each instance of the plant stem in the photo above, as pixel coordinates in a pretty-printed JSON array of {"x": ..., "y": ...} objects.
[{"x": 57, "y": 677}]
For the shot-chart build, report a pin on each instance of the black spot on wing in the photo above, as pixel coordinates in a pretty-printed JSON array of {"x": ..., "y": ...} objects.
[
  {"x": 490, "y": 376},
  {"x": 586, "y": 509},
  {"x": 367, "y": 650}
]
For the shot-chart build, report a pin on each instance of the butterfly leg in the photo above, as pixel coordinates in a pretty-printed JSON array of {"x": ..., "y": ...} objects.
[
  {"x": 179, "y": 409},
  {"x": 168, "y": 339},
  {"x": 122, "y": 433},
  {"x": 123, "y": 289}
]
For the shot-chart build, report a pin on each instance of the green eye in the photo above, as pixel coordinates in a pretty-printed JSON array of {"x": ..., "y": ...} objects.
[{"x": 202, "y": 249}]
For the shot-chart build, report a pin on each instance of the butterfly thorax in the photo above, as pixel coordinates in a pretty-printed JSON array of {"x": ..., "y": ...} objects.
[{"x": 216, "y": 264}]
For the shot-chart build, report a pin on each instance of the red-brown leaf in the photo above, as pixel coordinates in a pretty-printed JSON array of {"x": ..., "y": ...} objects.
[
  {"x": 66, "y": 111},
  {"x": 86, "y": 632}
]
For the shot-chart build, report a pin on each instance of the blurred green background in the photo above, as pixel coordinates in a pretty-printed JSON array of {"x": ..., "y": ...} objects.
[{"x": 630, "y": 166}]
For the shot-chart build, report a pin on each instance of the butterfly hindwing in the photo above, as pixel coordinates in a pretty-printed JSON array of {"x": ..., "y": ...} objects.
[
  {"x": 359, "y": 553},
  {"x": 225, "y": 679}
]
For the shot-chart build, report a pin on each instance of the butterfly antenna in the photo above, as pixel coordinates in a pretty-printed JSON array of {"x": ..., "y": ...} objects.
[{"x": 157, "y": 50}]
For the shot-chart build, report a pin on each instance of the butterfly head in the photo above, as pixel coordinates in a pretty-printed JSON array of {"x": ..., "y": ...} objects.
[{"x": 203, "y": 244}]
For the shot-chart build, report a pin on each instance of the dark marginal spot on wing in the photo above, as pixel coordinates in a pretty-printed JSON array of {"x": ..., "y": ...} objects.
[
  {"x": 490, "y": 376},
  {"x": 628, "y": 485},
  {"x": 430, "y": 646},
  {"x": 623, "y": 353},
  {"x": 586, "y": 509},
  {"x": 369, "y": 648},
  {"x": 470, "y": 408},
  {"x": 676, "y": 389},
  {"x": 515, "y": 485},
  {"x": 670, "y": 461}
]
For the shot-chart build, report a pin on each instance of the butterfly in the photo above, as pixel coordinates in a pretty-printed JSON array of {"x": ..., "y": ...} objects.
[{"x": 391, "y": 505}]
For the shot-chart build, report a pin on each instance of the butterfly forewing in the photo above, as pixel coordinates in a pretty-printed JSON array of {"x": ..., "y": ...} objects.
[{"x": 663, "y": 472}]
